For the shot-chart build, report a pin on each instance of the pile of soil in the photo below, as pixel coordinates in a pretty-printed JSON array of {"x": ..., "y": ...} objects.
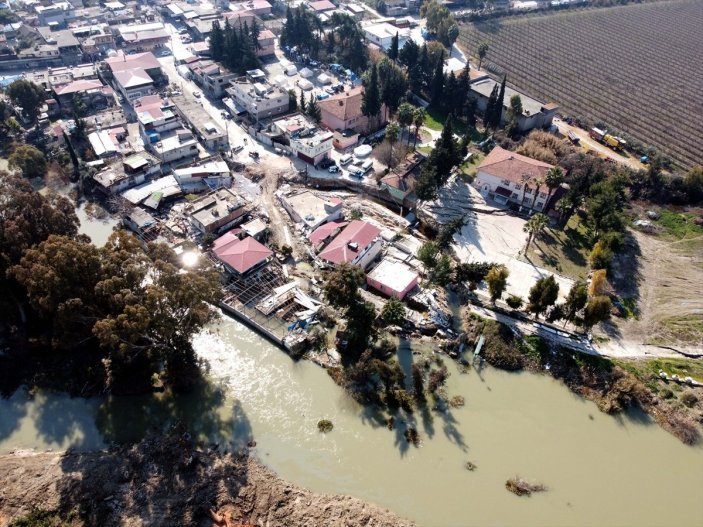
[{"x": 166, "y": 481}]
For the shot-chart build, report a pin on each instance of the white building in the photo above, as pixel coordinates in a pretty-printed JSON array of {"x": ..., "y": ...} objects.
[
  {"x": 307, "y": 209},
  {"x": 259, "y": 99},
  {"x": 307, "y": 141},
  {"x": 178, "y": 146},
  {"x": 206, "y": 176},
  {"x": 382, "y": 34},
  {"x": 507, "y": 177}
]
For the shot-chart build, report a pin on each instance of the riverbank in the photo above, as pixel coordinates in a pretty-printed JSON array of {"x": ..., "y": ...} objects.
[
  {"x": 165, "y": 480},
  {"x": 614, "y": 386}
]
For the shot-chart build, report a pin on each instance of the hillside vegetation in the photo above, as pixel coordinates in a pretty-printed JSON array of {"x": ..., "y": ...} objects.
[{"x": 635, "y": 68}]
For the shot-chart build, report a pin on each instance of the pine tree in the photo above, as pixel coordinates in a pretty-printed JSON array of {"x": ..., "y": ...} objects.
[
  {"x": 371, "y": 98},
  {"x": 302, "y": 104},
  {"x": 463, "y": 86},
  {"x": 450, "y": 94},
  {"x": 437, "y": 86},
  {"x": 490, "y": 108},
  {"x": 217, "y": 41},
  {"x": 498, "y": 110},
  {"x": 313, "y": 110},
  {"x": 393, "y": 51}
]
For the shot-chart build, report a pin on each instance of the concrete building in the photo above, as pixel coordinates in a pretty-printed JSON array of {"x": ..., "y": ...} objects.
[
  {"x": 209, "y": 134},
  {"x": 58, "y": 13},
  {"x": 382, "y": 34},
  {"x": 510, "y": 178},
  {"x": 210, "y": 175},
  {"x": 176, "y": 146},
  {"x": 267, "y": 43},
  {"x": 134, "y": 170},
  {"x": 143, "y": 37},
  {"x": 343, "y": 111},
  {"x": 217, "y": 211},
  {"x": 92, "y": 93},
  {"x": 359, "y": 244},
  {"x": 257, "y": 7},
  {"x": 534, "y": 113},
  {"x": 393, "y": 278},
  {"x": 259, "y": 99},
  {"x": 307, "y": 141},
  {"x": 135, "y": 75},
  {"x": 156, "y": 116},
  {"x": 310, "y": 211}
]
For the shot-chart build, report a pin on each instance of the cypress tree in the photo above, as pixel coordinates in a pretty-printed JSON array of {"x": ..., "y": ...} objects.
[
  {"x": 437, "y": 86},
  {"x": 393, "y": 51},
  {"x": 371, "y": 98},
  {"x": 498, "y": 110},
  {"x": 490, "y": 108}
]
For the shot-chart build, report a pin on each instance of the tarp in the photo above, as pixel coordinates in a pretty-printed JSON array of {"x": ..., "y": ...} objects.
[
  {"x": 305, "y": 84},
  {"x": 306, "y": 73},
  {"x": 324, "y": 78}
]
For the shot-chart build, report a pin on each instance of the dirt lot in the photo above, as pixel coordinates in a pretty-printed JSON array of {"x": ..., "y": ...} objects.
[
  {"x": 163, "y": 481},
  {"x": 668, "y": 287}
]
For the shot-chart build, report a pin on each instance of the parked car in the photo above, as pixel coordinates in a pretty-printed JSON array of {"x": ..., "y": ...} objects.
[
  {"x": 238, "y": 148},
  {"x": 197, "y": 94},
  {"x": 253, "y": 154},
  {"x": 346, "y": 159},
  {"x": 356, "y": 172},
  {"x": 325, "y": 163},
  {"x": 163, "y": 52},
  {"x": 333, "y": 169}
]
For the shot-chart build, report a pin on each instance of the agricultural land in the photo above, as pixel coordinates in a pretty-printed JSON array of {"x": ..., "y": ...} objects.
[{"x": 634, "y": 68}]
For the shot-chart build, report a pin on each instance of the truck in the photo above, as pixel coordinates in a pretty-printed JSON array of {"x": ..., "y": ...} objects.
[{"x": 602, "y": 136}]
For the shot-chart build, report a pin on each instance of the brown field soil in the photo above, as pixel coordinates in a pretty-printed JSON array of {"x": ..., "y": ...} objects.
[
  {"x": 634, "y": 67},
  {"x": 163, "y": 482},
  {"x": 667, "y": 282}
]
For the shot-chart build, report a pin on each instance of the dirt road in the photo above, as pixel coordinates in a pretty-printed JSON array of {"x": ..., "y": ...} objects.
[{"x": 589, "y": 144}]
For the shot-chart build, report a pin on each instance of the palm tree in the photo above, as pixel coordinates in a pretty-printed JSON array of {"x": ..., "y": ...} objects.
[
  {"x": 418, "y": 121},
  {"x": 538, "y": 183},
  {"x": 392, "y": 131},
  {"x": 554, "y": 178},
  {"x": 406, "y": 114},
  {"x": 533, "y": 227}
]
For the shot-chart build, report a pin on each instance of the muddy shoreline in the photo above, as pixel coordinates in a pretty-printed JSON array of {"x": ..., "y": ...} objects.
[{"x": 165, "y": 480}]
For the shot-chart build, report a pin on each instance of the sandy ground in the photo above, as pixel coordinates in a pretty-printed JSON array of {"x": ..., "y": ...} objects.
[
  {"x": 667, "y": 281},
  {"x": 162, "y": 482}
]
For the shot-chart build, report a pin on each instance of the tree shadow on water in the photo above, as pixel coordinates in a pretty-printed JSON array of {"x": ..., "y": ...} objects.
[{"x": 174, "y": 476}]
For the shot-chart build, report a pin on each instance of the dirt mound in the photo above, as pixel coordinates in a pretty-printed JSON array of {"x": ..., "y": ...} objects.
[{"x": 165, "y": 481}]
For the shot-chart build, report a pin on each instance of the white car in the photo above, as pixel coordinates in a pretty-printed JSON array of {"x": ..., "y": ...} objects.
[
  {"x": 237, "y": 149},
  {"x": 165, "y": 52},
  {"x": 197, "y": 94},
  {"x": 333, "y": 169}
]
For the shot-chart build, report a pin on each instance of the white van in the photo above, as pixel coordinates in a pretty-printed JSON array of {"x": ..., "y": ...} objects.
[
  {"x": 367, "y": 165},
  {"x": 346, "y": 159}
]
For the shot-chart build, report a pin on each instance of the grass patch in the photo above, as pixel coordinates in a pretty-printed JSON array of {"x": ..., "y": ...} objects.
[
  {"x": 435, "y": 120},
  {"x": 687, "y": 328},
  {"x": 536, "y": 349},
  {"x": 426, "y": 150},
  {"x": 563, "y": 251},
  {"x": 469, "y": 169},
  {"x": 629, "y": 308},
  {"x": 679, "y": 225},
  {"x": 646, "y": 370}
]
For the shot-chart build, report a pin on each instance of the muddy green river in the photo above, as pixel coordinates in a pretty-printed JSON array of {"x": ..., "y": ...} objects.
[{"x": 599, "y": 470}]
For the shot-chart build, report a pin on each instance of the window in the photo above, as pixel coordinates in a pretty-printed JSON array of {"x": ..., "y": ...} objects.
[
  {"x": 514, "y": 196},
  {"x": 542, "y": 195},
  {"x": 539, "y": 204},
  {"x": 505, "y": 182},
  {"x": 528, "y": 190},
  {"x": 517, "y": 186}
]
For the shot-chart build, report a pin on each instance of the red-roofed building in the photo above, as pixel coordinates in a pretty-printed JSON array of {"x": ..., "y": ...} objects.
[
  {"x": 343, "y": 112},
  {"x": 135, "y": 75},
  {"x": 240, "y": 256},
  {"x": 266, "y": 42},
  {"x": 323, "y": 234},
  {"x": 92, "y": 92},
  {"x": 507, "y": 177},
  {"x": 359, "y": 244},
  {"x": 322, "y": 6}
]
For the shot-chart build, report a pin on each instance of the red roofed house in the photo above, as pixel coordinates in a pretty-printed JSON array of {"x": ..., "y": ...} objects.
[
  {"x": 343, "y": 112},
  {"x": 240, "y": 256},
  {"x": 507, "y": 177},
  {"x": 266, "y": 42},
  {"x": 92, "y": 92},
  {"x": 321, "y": 6},
  {"x": 135, "y": 75},
  {"x": 323, "y": 234},
  {"x": 359, "y": 244}
]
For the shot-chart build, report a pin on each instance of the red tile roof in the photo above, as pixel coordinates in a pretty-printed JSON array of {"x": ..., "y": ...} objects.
[
  {"x": 359, "y": 232},
  {"x": 513, "y": 167},
  {"x": 322, "y": 5},
  {"x": 79, "y": 85},
  {"x": 344, "y": 106},
  {"x": 240, "y": 255},
  {"x": 323, "y": 231},
  {"x": 123, "y": 62}
]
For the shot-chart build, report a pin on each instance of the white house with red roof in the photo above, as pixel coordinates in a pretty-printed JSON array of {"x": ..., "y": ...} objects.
[
  {"x": 507, "y": 177},
  {"x": 358, "y": 244},
  {"x": 240, "y": 256},
  {"x": 135, "y": 74}
]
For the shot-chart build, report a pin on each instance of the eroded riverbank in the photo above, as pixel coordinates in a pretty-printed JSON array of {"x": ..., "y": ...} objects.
[{"x": 599, "y": 469}]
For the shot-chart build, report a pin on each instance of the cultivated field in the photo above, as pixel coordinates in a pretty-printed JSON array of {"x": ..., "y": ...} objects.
[{"x": 638, "y": 68}]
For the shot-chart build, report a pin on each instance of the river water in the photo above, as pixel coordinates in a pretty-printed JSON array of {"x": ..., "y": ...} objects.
[{"x": 599, "y": 470}]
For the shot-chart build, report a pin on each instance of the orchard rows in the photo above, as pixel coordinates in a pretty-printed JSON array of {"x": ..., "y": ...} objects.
[{"x": 636, "y": 68}]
